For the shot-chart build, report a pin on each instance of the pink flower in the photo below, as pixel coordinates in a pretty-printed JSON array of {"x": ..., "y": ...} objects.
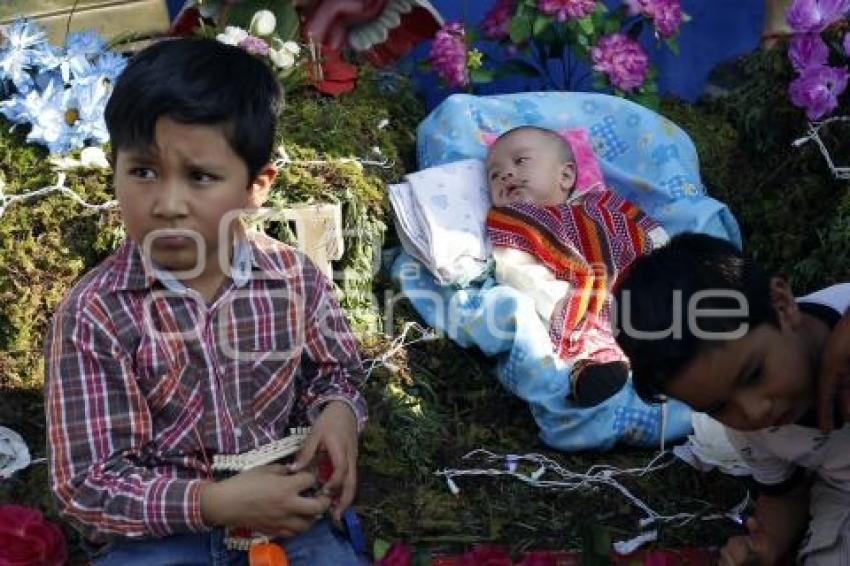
[
  {"x": 623, "y": 61},
  {"x": 497, "y": 22},
  {"x": 564, "y": 9},
  {"x": 28, "y": 539},
  {"x": 665, "y": 14},
  {"x": 255, "y": 45},
  {"x": 807, "y": 50},
  {"x": 817, "y": 90},
  {"x": 448, "y": 55}
]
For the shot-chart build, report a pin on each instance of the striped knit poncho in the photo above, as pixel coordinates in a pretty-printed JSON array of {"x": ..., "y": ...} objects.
[{"x": 588, "y": 243}]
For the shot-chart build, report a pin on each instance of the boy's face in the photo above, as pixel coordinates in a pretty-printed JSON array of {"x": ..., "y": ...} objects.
[
  {"x": 527, "y": 166},
  {"x": 765, "y": 378},
  {"x": 178, "y": 192}
]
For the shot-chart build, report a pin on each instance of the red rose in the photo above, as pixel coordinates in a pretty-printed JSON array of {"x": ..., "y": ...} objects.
[{"x": 28, "y": 539}]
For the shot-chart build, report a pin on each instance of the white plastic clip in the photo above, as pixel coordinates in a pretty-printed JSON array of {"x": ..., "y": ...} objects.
[
  {"x": 452, "y": 486},
  {"x": 538, "y": 473}
]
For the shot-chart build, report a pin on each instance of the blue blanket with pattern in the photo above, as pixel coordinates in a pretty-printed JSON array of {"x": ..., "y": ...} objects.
[{"x": 644, "y": 157}]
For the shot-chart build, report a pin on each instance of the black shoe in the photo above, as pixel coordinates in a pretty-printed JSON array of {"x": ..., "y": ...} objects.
[{"x": 594, "y": 383}]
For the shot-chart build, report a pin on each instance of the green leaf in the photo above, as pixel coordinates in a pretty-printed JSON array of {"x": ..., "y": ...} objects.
[
  {"x": 472, "y": 35},
  {"x": 481, "y": 75},
  {"x": 599, "y": 82},
  {"x": 541, "y": 23},
  {"x": 586, "y": 25},
  {"x": 612, "y": 25},
  {"x": 517, "y": 67},
  {"x": 649, "y": 100},
  {"x": 520, "y": 30},
  {"x": 672, "y": 45},
  {"x": 380, "y": 548}
]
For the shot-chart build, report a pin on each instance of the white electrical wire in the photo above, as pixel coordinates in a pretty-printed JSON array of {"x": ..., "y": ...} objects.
[
  {"x": 839, "y": 172},
  {"x": 7, "y": 200}
]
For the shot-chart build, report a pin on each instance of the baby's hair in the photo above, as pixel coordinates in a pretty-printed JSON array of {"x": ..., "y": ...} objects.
[{"x": 556, "y": 138}]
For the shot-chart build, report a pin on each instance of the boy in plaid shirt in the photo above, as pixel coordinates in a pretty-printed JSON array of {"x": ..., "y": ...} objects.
[{"x": 198, "y": 337}]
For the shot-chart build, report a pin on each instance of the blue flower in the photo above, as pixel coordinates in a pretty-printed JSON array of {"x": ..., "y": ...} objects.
[
  {"x": 110, "y": 65},
  {"x": 84, "y": 43},
  {"x": 21, "y": 39}
]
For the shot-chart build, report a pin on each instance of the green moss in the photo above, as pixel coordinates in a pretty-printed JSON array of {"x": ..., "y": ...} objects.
[{"x": 784, "y": 197}]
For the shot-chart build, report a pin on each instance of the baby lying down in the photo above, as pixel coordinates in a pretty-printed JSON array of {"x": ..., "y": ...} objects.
[{"x": 565, "y": 250}]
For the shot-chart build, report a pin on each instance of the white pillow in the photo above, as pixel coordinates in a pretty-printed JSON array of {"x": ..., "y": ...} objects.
[{"x": 441, "y": 213}]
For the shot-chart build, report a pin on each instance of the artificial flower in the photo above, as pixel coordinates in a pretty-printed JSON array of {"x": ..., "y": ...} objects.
[
  {"x": 817, "y": 89},
  {"x": 399, "y": 554},
  {"x": 807, "y": 16},
  {"x": 283, "y": 53},
  {"x": 232, "y": 35},
  {"x": 255, "y": 45},
  {"x": 622, "y": 60},
  {"x": 263, "y": 23},
  {"x": 496, "y": 24},
  {"x": 28, "y": 539},
  {"x": 566, "y": 9},
  {"x": 448, "y": 55},
  {"x": 807, "y": 50},
  {"x": 666, "y": 14}
]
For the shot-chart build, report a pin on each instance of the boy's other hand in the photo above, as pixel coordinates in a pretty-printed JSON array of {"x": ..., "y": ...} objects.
[
  {"x": 753, "y": 549},
  {"x": 266, "y": 499},
  {"x": 335, "y": 433},
  {"x": 834, "y": 379}
]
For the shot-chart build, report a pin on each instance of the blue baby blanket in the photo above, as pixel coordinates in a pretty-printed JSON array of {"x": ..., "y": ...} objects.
[{"x": 644, "y": 157}]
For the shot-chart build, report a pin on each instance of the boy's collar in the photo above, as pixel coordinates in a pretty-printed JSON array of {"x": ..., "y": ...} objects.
[
  {"x": 133, "y": 274},
  {"x": 830, "y": 317}
]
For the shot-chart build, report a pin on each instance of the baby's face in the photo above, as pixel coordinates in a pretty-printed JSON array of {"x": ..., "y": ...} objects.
[{"x": 528, "y": 166}]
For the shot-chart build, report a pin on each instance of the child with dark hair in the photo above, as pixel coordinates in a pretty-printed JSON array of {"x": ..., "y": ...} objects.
[
  {"x": 565, "y": 251},
  {"x": 199, "y": 337},
  {"x": 702, "y": 323}
]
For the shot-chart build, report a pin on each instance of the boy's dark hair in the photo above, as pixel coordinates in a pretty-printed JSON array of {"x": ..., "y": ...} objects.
[
  {"x": 556, "y": 138},
  {"x": 644, "y": 302},
  {"x": 197, "y": 81}
]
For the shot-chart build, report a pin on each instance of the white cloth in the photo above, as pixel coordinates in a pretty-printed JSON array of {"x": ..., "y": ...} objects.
[{"x": 441, "y": 214}]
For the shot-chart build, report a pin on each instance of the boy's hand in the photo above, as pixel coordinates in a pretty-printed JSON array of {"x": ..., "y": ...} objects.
[
  {"x": 335, "y": 433},
  {"x": 834, "y": 379},
  {"x": 266, "y": 499},
  {"x": 755, "y": 548}
]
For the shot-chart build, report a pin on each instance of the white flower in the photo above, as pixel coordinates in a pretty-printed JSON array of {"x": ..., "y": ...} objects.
[
  {"x": 94, "y": 157},
  {"x": 232, "y": 35},
  {"x": 263, "y": 23},
  {"x": 283, "y": 54}
]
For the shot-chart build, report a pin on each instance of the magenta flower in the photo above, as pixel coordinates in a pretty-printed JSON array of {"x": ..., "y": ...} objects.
[
  {"x": 564, "y": 9},
  {"x": 255, "y": 45},
  {"x": 807, "y": 50},
  {"x": 496, "y": 24},
  {"x": 817, "y": 89},
  {"x": 815, "y": 15},
  {"x": 666, "y": 14},
  {"x": 448, "y": 55},
  {"x": 622, "y": 60}
]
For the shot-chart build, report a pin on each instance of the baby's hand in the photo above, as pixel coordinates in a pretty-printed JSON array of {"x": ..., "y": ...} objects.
[
  {"x": 755, "y": 548},
  {"x": 834, "y": 380},
  {"x": 335, "y": 434}
]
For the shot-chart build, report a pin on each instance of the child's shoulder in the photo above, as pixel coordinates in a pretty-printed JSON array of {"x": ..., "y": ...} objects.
[{"x": 96, "y": 282}]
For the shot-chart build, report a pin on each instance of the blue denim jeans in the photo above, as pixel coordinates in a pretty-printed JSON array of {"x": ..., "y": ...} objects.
[{"x": 320, "y": 546}]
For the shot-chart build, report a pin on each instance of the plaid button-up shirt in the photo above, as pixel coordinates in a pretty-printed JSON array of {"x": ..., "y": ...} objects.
[{"x": 146, "y": 380}]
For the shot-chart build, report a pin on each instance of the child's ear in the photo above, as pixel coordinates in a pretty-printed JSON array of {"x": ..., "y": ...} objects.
[
  {"x": 568, "y": 177},
  {"x": 784, "y": 303},
  {"x": 258, "y": 190}
]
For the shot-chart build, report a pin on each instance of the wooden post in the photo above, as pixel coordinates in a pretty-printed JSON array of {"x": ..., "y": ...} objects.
[{"x": 318, "y": 229}]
